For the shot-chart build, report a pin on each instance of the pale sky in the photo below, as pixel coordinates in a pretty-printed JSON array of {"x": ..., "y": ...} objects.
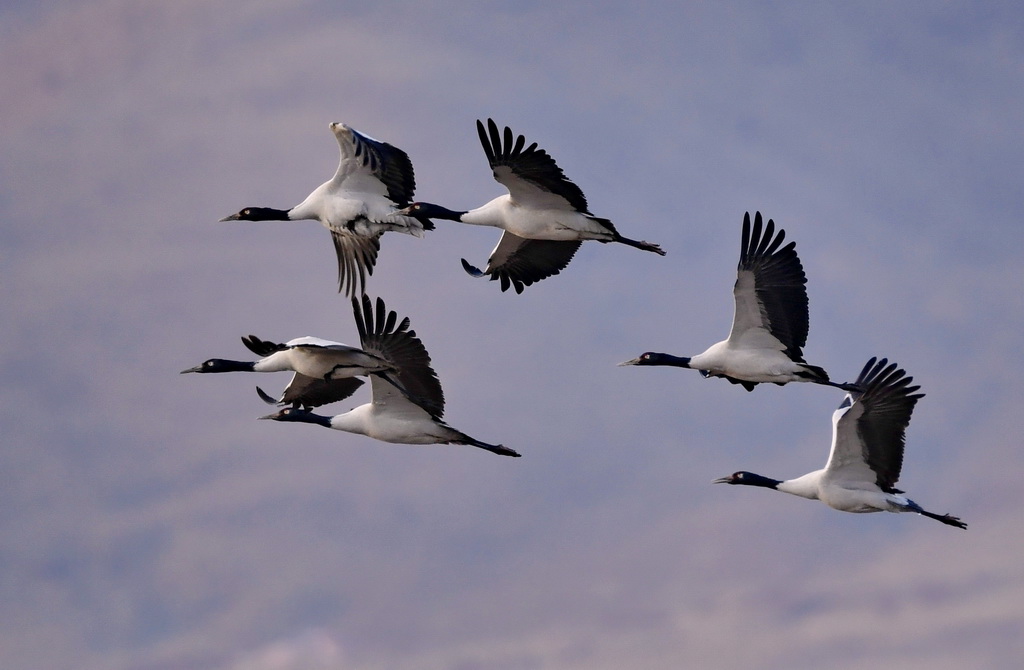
[{"x": 151, "y": 523}]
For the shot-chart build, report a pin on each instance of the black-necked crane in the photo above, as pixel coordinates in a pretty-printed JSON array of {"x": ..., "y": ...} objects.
[
  {"x": 866, "y": 457},
  {"x": 326, "y": 371},
  {"x": 544, "y": 215},
  {"x": 358, "y": 205},
  {"x": 411, "y": 415},
  {"x": 770, "y": 321}
]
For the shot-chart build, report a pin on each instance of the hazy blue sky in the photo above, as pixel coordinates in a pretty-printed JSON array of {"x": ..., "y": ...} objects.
[{"x": 149, "y": 522}]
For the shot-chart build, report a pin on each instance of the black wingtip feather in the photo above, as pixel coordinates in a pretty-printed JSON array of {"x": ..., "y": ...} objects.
[
  {"x": 383, "y": 334},
  {"x": 471, "y": 270},
  {"x": 530, "y": 163},
  {"x": 357, "y": 312},
  {"x": 390, "y": 320},
  {"x": 262, "y": 347},
  {"x": 265, "y": 397},
  {"x": 484, "y": 140},
  {"x": 745, "y": 239}
]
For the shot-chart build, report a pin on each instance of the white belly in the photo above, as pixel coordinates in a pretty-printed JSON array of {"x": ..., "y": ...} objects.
[
  {"x": 755, "y": 365},
  {"x": 561, "y": 224}
]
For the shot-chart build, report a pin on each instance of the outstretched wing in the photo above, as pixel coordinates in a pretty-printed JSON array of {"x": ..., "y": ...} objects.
[
  {"x": 771, "y": 289},
  {"x": 529, "y": 173},
  {"x": 357, "y": 256},
  {"x": 869, "y": 426},
  {"x": 309, "y": 392},
  {"x": 381, "y": 334},
  {"x": 519, "y": 262},
  {"x": 371, "y": 166},
  {"x": 262, "y": 348}
]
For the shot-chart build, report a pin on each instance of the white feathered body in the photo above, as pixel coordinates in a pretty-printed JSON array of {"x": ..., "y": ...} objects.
[
  {"x": 846, "y": 483},
  {"x": 401, "y": 423},
  {"x": 364, "y": 212},
  {"x": 321, "y": 359},
  {"x": 547, "y": 217},
  {"x": 756, "y": 356}
]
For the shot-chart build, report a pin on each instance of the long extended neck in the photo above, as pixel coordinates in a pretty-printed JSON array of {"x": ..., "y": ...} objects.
[
  {"x": 264, "y": 214},
  {"x": 805, "y": 486},
  {"x": 272, "y": 214},
  {"x": 235, "y": 366},
  {"x": 751, "y": 479},
  {"x": 301, "y": 416},
  {"x": 666, "y": 359},
  {"x": 222, "y": 365},
  {"x": 432, "y": 211}
]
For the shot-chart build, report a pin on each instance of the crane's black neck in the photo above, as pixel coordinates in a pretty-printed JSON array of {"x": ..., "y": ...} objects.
[
  {"x": 432, "y": 211},
  {"x": 222, "y": 365},
  {"x": 263, "y": 214},
  {"x": 654, "y": 358},
  {"x": 751, "y": 479},
  {"x": 302, "y": 416}
]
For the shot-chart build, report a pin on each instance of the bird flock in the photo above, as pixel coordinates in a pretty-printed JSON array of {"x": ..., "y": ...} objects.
[{"x": 544, "y": 218}]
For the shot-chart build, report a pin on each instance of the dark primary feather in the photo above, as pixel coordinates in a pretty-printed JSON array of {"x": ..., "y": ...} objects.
[
  {"x": 531, "y": 164},
  {"x": 519, "y": 262},
  {"x": 888, "y": 401},
  {"x": 742, "y": 382},
  {"x": 379, "y": 335},
  {"x": 389, "y": 164},
  {"x": 309, "y": 392},
  {"x": 262, "y": 347},
  {"x": 357, "y": 256},
  {"x": 780, "y": 283}
]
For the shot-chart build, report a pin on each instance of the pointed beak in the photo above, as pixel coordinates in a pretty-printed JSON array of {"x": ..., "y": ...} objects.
[
  {"x": 198, "y": 368},
  {"x": 230, "y": 217},
  {"x": 632, "y": 361},
  {"x": 722, "y": 480},
  {"x": 275, "y": 415}
]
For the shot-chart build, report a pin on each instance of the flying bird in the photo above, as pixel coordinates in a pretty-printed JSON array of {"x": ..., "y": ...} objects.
[
  {"x": 544, "y": 216},
  {"x": 358, "y": 205},
  {"x": 867, "y": 450},
  {"x": 409, "y": 416},
  {"x": 769, "y": 324},
  {"x": 326, "y": 371}
]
